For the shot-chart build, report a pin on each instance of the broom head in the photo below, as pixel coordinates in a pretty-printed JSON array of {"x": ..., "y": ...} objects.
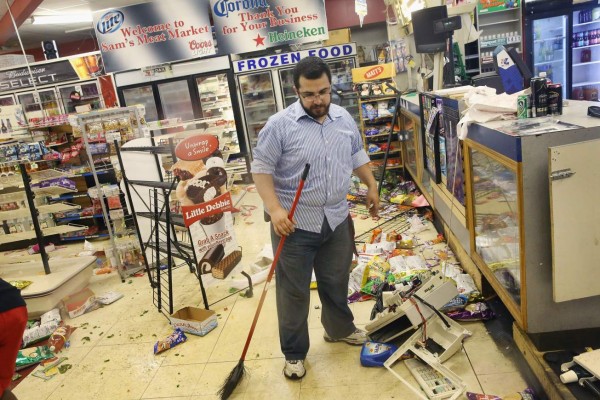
[{"x": 235, "y": 377}]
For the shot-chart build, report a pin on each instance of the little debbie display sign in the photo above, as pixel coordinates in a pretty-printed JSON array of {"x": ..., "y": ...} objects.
[
  {"x": 243, "y": 26},
  {"x": 153, "y": 33}
]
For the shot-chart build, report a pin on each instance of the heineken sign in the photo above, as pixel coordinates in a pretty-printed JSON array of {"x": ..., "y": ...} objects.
[{"x": 244, "y": 26}]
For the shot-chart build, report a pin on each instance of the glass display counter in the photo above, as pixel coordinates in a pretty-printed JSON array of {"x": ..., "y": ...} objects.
[{"x": 496, "y": 221}]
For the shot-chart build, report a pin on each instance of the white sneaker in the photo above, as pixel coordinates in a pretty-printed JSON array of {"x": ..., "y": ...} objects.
[
  {"x": 294, "y": 369},
  {"x": 358, "y": 337}
]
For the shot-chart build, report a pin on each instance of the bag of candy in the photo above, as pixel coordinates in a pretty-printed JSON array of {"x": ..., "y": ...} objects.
[
  {"x": 32, "y": 355},
  {"x": 177, "y": 337}
]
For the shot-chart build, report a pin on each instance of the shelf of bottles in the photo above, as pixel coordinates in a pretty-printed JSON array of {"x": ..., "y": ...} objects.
[{"x": 585, "y": 42}]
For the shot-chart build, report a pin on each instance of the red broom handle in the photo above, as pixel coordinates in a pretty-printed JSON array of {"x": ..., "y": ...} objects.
[{"x": 275, "y": 259}]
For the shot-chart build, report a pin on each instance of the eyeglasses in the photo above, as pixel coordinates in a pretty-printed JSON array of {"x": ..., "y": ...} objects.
[{"x": 313, "y": 96}]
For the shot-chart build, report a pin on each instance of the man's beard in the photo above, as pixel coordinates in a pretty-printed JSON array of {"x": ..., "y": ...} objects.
[{"x": 315, "y": 111}]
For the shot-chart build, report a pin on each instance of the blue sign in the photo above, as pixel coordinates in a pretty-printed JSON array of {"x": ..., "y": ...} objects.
[{"x": 283, "y": 59}]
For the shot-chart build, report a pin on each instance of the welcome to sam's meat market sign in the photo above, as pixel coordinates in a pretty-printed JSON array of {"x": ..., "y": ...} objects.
[
  {"x": 153, "y": 33},
  {"x": 244, "y": 26}
]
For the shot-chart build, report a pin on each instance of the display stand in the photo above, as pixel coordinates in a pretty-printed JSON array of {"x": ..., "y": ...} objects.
[{"x": 165, "y": 240}]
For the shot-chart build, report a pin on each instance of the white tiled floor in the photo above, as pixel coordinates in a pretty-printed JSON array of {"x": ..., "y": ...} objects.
[{"x": 112, "y": 356}]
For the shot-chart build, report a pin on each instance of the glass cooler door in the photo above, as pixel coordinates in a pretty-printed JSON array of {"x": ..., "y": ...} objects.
[
  {"x": 341, "y": 85},
  {"x": 215, "y": 100},
  {"x": 89, "y": 92},
  {"x": 7, "y": 100},
  {"x": 143, "y": 95},
  {"x": 586, "y": 55},
  {"x": 550, "y": 48},
  {"x": 287, "y": 87},
  {"x": 176, "y": 100},
  {"x": 40, "y": 104},
  {"x": 258, "y": 99}
]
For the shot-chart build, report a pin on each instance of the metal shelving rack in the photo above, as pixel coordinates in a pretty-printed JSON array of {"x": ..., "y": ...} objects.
[{"x": 168, "y": 239}]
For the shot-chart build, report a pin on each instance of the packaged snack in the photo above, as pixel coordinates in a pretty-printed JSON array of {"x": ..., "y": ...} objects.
[
  {"x": 369, "y": 111},
  {"x": 472, "y": 312},
  {"x": 59, "y": 337},
  {"x": 177, "y": 337},
  {"x": 38, "y": 333},
  {"x": 51, "y": 316},
  {"x": 374, "y": 354},
  {"x": 20, "y": 284},
  {"x": 456, "y": 304},
  {"x": 377, "y": 270},
  {"x": 32, "y": 355}
]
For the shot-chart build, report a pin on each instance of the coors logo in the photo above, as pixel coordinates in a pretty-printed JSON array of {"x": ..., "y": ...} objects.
[{"x": 373, "y": 72}]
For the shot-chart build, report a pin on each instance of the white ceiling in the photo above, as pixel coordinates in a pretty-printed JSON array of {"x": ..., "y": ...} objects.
[{"x": 33, "y": 35}]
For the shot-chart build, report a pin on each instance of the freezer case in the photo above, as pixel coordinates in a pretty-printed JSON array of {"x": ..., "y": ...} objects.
[
  {"x": 549, "y": 51},
  {"x": 80, "y": 94},
  {"x": 7, "y": 100},
  {"x": 143, "y": 95},
  {"x": 585, "y": 42},
  {"x": 258, "y": 101}
]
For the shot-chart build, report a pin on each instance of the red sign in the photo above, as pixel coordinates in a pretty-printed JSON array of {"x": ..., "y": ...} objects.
[
  {"x": 373, "y": 72},
  {"x": 197, "y": 147},
  {"x": 217, "y": 205}
]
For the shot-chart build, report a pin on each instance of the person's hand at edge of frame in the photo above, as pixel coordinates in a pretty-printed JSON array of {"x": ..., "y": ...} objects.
[
  {"x": 372, "y": 201},
  {"x": 281, "y": 223}
]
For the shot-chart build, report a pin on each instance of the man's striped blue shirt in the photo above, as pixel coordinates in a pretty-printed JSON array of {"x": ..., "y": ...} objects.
[{"x": 289, "y": 140}]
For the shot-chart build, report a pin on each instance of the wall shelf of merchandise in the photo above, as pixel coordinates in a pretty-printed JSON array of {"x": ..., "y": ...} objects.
[{"x": 498, "y": 27}]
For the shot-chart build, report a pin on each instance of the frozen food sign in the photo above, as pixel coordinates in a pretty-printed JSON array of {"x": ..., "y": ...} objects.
[
  {"x": 243, "y": 26},
  {"x": 283, "y": 59},
  {"x": 153, "y": 33}
]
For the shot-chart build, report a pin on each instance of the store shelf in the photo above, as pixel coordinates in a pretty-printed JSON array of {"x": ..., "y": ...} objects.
[
  {"x": 70, "y": 196},
  {"x": 55, "y": 230},
  {"x": 73, "y": 238},
  {"x": 55, "y": 144},
  {"x": 585, "y": 83},
  {"x": 77, "y": 218},
  {"x": 472, "y": 56},
  {"x": 378, "y": 120},
  {"x": 247, "y": 93},
  {"x": 383, "y": 152},
  {"x": 549, "y": 62},
  {"x": 369, "y": 99},
  {"x": 470, "y": 71},
  {"x": 259, "y": 105},
  {"x": 500, "y": 22},
  {"x": 489, "y": 46},
  {"x": 587, "y": 23},
  {"x": 154, "y": 184},
  {"x": 53, "y": 191},
  {"x": 56, "y": 208},
  {"x": 586, "y": 47},
  {"x": 380, "y": 135},
  {"x": 587, "y": 63},
  {"x": 548, "y": 39},
  {"x": 39, "y": 176}
]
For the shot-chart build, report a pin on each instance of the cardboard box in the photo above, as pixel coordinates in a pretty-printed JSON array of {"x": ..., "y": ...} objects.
[
  {"x": 79, "y": 303},
  {"x": 338, "y": 36},
  {"x": 194, "y": 320}
]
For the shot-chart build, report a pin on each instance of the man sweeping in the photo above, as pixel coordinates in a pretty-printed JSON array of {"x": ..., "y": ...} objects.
[{"x": 314, "y": 131}]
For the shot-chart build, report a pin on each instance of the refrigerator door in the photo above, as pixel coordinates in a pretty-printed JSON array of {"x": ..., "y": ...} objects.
[
  {"x": 586, "y": 54},
  {"x": 215, "y": 98},
  {"x": 40, "y": 104},
  {"x": 286, "y": 77},
  {"x": 7, "y": 100},
  {"x": 258, "y": 100},
  {"x": 176, "y": 100},
  {"x": 142, "y": 95},
  {"x": 550, "y": 48},
  {"x": 341, "y": 84},
  {"x": 89, "y": 92}
]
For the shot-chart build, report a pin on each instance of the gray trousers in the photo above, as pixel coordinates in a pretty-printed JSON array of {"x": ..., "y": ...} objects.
[{"x": 330, "y": 253}]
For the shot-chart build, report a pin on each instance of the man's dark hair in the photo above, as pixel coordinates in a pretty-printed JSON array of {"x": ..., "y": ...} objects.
[{"x": 310, "y": 68}]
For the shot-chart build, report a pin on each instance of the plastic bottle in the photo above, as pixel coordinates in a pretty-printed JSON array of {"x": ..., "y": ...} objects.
[{"x": 59, "y": 337}]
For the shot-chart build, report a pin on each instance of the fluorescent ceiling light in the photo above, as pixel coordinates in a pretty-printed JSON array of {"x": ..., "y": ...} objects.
[{"x": 61, "y": 19}]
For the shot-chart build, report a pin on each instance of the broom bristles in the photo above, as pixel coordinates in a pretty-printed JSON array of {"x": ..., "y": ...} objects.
[{"x": 235, "y": 377}]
